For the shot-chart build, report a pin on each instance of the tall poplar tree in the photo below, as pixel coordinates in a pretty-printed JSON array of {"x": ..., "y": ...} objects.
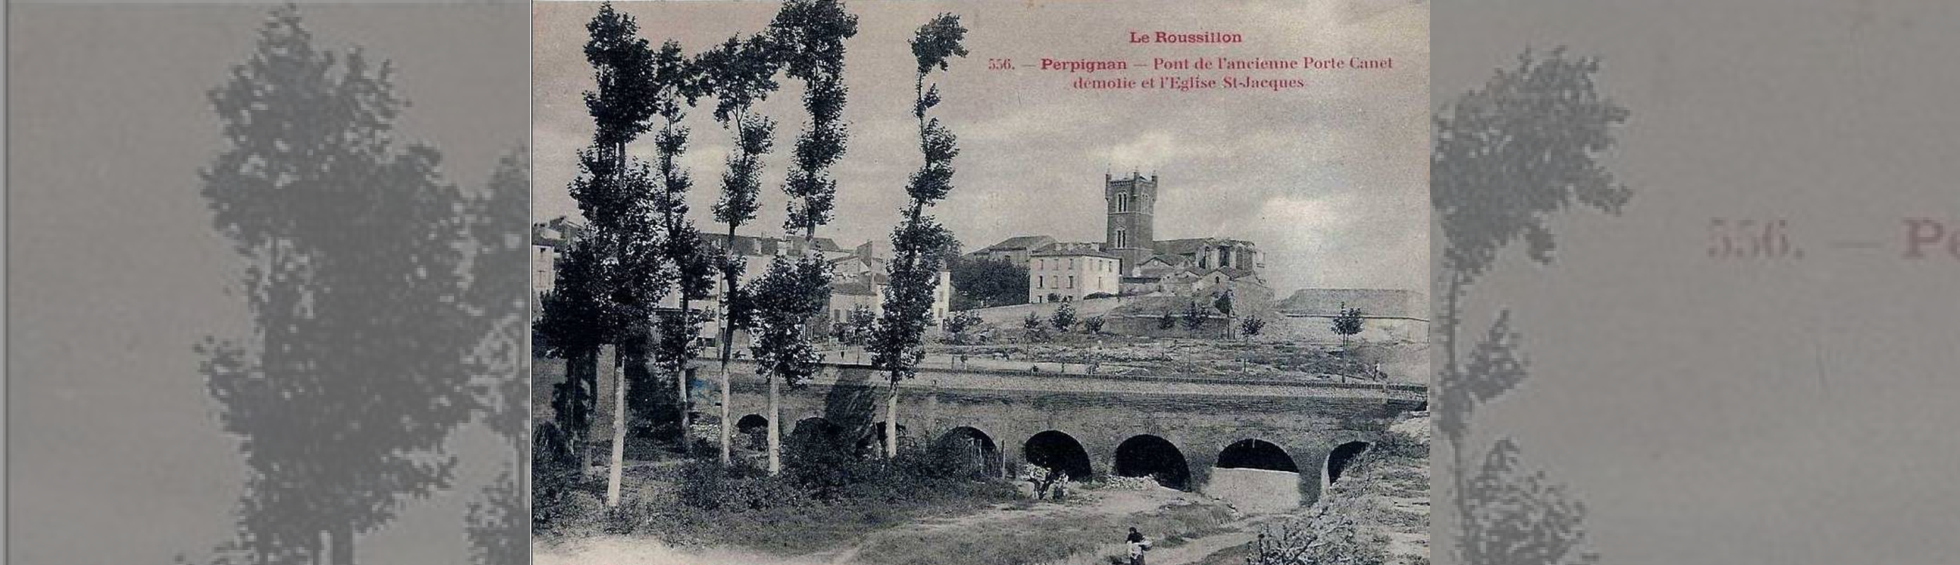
[
  {"x": 739, "y": 74},
  {"x": 810, "y": 35},
  {"x": 676, "y": 87},
  {"x": 919, "y": 243},
  {"x": 612, "y": 192}
]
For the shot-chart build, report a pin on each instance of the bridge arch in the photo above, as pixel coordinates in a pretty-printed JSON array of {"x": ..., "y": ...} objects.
[
  {"x": 1341, "y": 457},
  {"x": 1057, "y": 451},
  {"x": 1256, "y": 454},
  {"x": 1261, "y": 477},
  {"x": 1155, "y": 457},
  {"x": 755, "y": 429},
  {"x": 967, "y": 451},
  {"x": 818, "y": 429}
]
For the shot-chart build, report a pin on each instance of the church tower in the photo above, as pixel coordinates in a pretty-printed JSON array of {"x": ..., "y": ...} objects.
[{"x": 1129, "y": 204}]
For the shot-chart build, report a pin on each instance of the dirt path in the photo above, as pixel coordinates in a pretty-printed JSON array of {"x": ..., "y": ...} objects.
[
  {"x": 1102, "y": 504},
  {"x": 1192, "y": 550}
]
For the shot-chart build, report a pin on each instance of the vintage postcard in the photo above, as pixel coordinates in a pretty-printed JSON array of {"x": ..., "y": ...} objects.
[{"x": 980, "y": 282}]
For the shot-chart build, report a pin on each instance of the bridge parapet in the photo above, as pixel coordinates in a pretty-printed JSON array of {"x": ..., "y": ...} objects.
[{"x": 929, "y": 379}]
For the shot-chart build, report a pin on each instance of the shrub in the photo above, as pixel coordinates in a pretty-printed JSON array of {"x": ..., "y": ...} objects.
[
  {"x": 1330, "y": 533},
  {"x": 1094, "y": 325},
  {"x": 1400, "y": 445},
  {"x": 1251, "y": 326},
  {"x": 709, "y": 486},
  {"x": 1064, "y": 317},
  {"x": 561, "y": 502},
  {"x": 959, "y": 324}
]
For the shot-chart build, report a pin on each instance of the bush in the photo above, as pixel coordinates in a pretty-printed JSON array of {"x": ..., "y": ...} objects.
[
  {"x": 1064, "y": 317},
  {"x": 1330, "y": 533},
  {"x": 1400, "y": 445},
  {"x": 1251, "y": 326},
  {"x": 709, "y": 486},
  {"x": 561, "y": 502}
]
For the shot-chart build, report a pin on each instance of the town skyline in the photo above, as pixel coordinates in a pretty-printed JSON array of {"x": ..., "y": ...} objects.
[{"x": 1329, "y": 180}]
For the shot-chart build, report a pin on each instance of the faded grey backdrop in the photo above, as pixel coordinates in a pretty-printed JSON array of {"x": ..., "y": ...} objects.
[
  {"x": 1752, "y": 411},
  {"x": 1793, "y": 412},
  {"x": 116, "y": 272}
]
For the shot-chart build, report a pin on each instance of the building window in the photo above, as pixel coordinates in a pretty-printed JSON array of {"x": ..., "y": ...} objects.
[
  {"x": 1039, "y": 281},
  {"x": 1071, "y": 281},
  {"x": 1122, "y": 238}
]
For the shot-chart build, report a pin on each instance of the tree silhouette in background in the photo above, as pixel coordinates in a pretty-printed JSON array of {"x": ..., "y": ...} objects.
[
  {"x": 1506, "y": 157},
  {"x": 354, "y": 375},
  {"x": 983, "y": 283},
  {"x": 1347, "y": 323},
  {"x": 499, "y": 523}
]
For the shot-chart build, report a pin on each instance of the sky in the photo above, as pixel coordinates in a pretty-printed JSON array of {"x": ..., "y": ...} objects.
[{"x": 1330, "y": 180}]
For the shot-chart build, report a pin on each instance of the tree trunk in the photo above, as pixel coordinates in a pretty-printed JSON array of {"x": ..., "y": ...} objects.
[
  {"x": 681, "y": 377},
  {"x": 614, "y": 473},
  {"x": 581, "y": 436},
  {"x": 891, "y": 423},
  {"x": 341, "y": 550},
  {"x": 726, "y": 457},
  {"x": 775, "y": 430}
]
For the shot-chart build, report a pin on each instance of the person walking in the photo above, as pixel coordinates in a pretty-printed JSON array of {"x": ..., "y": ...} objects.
[{"x": 1138, "y": 546}]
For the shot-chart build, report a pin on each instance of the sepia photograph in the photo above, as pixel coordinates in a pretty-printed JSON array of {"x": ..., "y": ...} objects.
[{"x": 980, "y": 283}]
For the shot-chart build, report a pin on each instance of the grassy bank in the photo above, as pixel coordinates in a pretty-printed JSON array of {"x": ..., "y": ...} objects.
[
  {"x": 1039, "y": 537},
  {"x": 815, "y": 506}
]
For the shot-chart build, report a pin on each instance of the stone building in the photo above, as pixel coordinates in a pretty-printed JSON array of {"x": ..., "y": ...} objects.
[
  {"x": 1130, "y": 208},
  {"x": 1066, "y": 275},
  {"x": 1144, "y": 264},
  {"x": 1015, "y": 250},
  {"x": 860, "y": 278},
  {"x": 549, "y": 240}
]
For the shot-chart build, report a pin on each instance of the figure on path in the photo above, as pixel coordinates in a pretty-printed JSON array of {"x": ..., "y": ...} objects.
[{"x": 1138, "y": 545}]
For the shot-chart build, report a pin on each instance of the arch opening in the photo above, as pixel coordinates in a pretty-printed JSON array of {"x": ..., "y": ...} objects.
[
  {"x": 1057, "y": 451},
  {"x": 817, "y": 432},
  {"x": 1256, "y": 454},
  {"x": 755, "y": 429},
  {"x": 1155, "y": 457},
  {"x": 1341, "y": 457},
  {"x": 968, "y": 452}
]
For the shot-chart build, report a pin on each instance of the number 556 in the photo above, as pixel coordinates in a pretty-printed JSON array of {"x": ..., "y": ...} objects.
[{"x": 1749, "y": 239}]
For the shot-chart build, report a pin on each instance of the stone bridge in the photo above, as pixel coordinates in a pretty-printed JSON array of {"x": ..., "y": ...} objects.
[{"x": 1227, "y": 438}]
